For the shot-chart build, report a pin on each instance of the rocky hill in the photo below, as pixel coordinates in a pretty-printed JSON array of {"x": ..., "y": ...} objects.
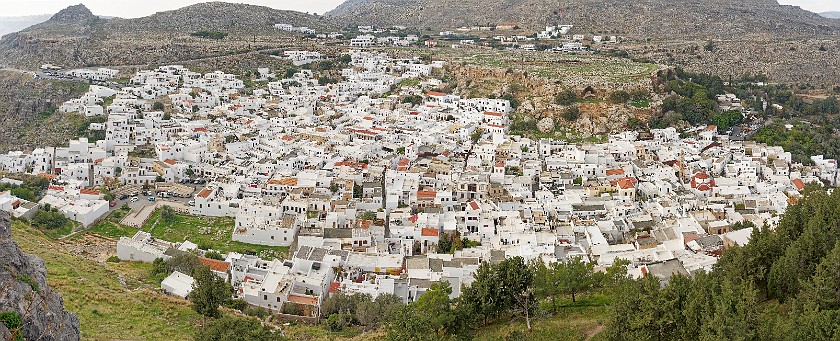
[
  {"x": 75, "y": 37},
  {"x": 644, "y": 18},
  {"x": 25, "y": 293},
  {"x": 27, "y": 111}
]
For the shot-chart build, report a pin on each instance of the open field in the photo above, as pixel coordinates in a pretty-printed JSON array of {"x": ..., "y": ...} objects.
[
  {"x": 582, "y": 320},
  {"x": 111, "y": 227},
  {"x": 207, "y": 232}
]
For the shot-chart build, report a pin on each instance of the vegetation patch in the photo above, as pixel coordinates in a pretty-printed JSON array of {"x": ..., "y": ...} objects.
[
  {"x": 215, "y": 35},
  {"x": 207, "y": 232}
]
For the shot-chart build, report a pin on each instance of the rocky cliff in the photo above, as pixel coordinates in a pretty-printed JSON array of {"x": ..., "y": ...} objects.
[
  {"x": 28, "y": 115},
  {"x": 24, "y": 290}
]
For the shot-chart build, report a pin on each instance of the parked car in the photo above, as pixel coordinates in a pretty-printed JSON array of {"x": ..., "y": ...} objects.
[
  {"x": 151, "y": 198},
  {"x": 191, "y": 202},
  {"x": 124, "y": 196},
  {"x": 134, "y": 199},
  {"x": 112, "y": 204}
]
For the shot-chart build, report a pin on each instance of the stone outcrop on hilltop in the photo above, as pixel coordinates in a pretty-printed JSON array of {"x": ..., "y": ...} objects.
[
  {"x": 75, "y": 37},
  {"x": 74, "y": 14},
  {"x": 24, "y": 290}
]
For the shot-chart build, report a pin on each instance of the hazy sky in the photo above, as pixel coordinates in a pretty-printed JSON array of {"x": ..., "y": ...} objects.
[{"x": 139, "y": 8}]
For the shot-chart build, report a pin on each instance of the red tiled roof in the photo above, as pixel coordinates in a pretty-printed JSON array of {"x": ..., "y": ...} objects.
[
  {"x": 701, "y": 175},
  {"x": 205, "y": 193},
  {"x": 413, "y": 218},
  {"x": 435, "y": 93},
  {"x": 426, "y": 194},
  {"x": 474, "y": 205},
  {"x": 169, "y": 161},
  {"x": 624, "y": 183},
  {"x": 493, "y": 113},
  {"x": 215, "y": 265},
  {"x": 89, "y": 191},
  {"x": 200, "y": 130},
  {"x": 799, "y": 184},
  {"x": 57, "y": 188},
  {"x": 500, "y": 164},
  {"x": 306, "y": 300},
  {"x": 47, "y": 176},
  {"x": 429, "y": 232},
  {"x": 617, "y": 171}
]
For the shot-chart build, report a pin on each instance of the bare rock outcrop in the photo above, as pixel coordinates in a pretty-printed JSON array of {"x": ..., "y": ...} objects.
[{"x": 24, "y": 290}]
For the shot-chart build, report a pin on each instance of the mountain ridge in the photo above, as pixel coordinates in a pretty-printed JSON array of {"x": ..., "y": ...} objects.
[
  {"x": 75, "y": 37},
  {"x": 708, "y": 18}
]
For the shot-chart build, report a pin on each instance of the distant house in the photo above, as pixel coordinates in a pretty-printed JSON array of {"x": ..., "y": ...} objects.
[
  {"x": 506, "y": 26},
  {"x": 177, "y": 284}
]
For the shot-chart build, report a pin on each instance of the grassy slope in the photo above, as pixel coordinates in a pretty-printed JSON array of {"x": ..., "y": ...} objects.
[
  {"x": 573, "y": 321},
  {"x": 107, "y": 308},
  {"x": 111, "y": 227}
]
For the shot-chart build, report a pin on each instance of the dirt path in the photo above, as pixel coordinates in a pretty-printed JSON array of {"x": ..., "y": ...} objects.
[{"x": 590, "y": 334}]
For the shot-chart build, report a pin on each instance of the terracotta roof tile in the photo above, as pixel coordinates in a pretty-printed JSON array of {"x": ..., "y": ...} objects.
[
  {"x": 215, "y": 265},
  {"x": 205, "y": 193},
  {"x": 429, "y": 232}
]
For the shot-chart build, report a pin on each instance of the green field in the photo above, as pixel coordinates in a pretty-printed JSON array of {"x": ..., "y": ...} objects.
[
  {"x": 207, "y": 232},
  {"x": 112, "y": 300},
  {"x": 111, "y": 227}
]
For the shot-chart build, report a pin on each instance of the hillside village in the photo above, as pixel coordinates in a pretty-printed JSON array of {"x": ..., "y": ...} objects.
[{"x": 375, "y": 194}]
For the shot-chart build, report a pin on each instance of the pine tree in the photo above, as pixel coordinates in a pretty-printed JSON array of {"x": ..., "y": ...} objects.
[{"x": 209, "y": 291}]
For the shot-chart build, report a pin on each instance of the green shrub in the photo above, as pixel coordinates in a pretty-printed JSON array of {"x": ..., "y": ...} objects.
[
  {"x": 256, "y": 312},
  {"x": 337, "y": 322},
  {"x": 113, "y": 259},
  {"x": 12, "y": 322},
  {"x": 27, "y": 280}
]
